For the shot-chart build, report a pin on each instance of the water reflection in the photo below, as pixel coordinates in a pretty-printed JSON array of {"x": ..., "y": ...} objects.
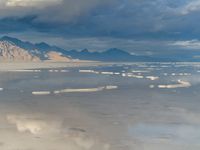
[{"x": 123, "y": 111}]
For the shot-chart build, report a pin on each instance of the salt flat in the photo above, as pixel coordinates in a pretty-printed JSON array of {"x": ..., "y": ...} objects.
[
  {"x": 17, "y": 66},
  {"x": 69, "y": 105}
]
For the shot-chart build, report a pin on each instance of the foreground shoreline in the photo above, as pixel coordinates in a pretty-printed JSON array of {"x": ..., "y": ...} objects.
[{"x": 9, "y": 66}]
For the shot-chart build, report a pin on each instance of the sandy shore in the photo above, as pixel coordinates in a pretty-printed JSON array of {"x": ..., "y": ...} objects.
[
  {"x": 9, "y": 66},
  {"x": 12, "y": 66}
]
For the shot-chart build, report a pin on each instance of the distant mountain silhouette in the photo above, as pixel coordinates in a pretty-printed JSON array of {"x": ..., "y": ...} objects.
[
  {"x": 42, "y": 50},
  {"x": 12, "y": 49},
  {"x": 11, "y": 52}
]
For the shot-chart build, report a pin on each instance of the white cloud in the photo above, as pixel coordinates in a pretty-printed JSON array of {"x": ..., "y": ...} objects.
[
  {"x": 35, "y": 126},
  {"x": 59, "y": 10},
  {"x": 31, "y": 3},
  {"x": 192, "y": 6},
  {"x": 189, "y": 44},
  {"x": 51, "y": 135}
]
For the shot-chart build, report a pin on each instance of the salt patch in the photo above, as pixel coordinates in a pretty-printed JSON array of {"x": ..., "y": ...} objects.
[
  {"x": 64, "y": 71},
  {"x": 139, "y": 71},
  {"x": 152, "y": 77},
  {"x": 165, "y": 74},
  {"x": 123, "y": 75},
  {"x": 151, "y": 86},
  {"x": 181, "y": 84},
  {"x": 132, "y": 75},
  {"x": 86, "y": 90},
  {"x": 108, "y": 73},
  {"x": 116, "y": 73},
  {"x": 24, "y": 70},
  {"x": 88, "y": 71},
  {"x": 41, "y": 92},
  {"x": 173, "y": 74},
  {"x": 53, "y": 70},
  {"x": 79, "y": 90},
  {"x": 110, "y": 87}
]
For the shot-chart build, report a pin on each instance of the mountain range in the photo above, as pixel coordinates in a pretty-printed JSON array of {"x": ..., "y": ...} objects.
[
  {"x": 45, "y": 52},
  {"x": 13, "y": 49}
]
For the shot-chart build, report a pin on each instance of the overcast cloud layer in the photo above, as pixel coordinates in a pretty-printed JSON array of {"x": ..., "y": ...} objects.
[{"x": 174, "y": 22}]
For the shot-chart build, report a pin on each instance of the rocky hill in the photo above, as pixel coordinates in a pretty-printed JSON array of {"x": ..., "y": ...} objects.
[
  {"x": 11, "y": 52},
  {"x": 46, "y": 52},
  {"x": 13, "y": 49}
]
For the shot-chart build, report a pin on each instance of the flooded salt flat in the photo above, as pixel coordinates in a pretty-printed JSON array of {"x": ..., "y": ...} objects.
[{"x": 140, "y": 106}]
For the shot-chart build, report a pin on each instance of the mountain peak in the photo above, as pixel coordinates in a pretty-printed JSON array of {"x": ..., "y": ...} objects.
[
  {"x": 44, "y": 51},
  {"x": 10, "y": 39},
  {"x": 43, "y": 44},
  {"x": 85, "y": 50},
  {"x": 6, "y": 38},
  {"x": 11, "y": 52},
  {"x": 116, "y": 51}
]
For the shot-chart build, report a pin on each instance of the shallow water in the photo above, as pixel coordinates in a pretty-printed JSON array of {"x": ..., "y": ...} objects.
[{"x": 114, "y": 107}]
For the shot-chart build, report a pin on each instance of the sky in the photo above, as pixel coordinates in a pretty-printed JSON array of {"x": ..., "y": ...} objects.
[{"x": 138, "y": 26}]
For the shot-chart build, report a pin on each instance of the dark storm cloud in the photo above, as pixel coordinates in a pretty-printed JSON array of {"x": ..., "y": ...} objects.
[{"x": 122, "y": 19}]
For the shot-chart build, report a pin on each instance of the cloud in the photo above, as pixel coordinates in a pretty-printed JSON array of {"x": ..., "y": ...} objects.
[
  {"x": 65, "y": 9},
  {"x": 51, "y": 134},
  {"x": 96, "y": 19},
  {"x": 181, "y": 135},
  {"x": 31, "y": 3},
  {"x": 35, "y": 126},
  {"x": 1, "y": 144},
  {"x": 169, "y": 134},
  {"x": 191, "y": 6},
  {"x": 111, "y": 17},
  {"x": 189, "y": 44}
]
